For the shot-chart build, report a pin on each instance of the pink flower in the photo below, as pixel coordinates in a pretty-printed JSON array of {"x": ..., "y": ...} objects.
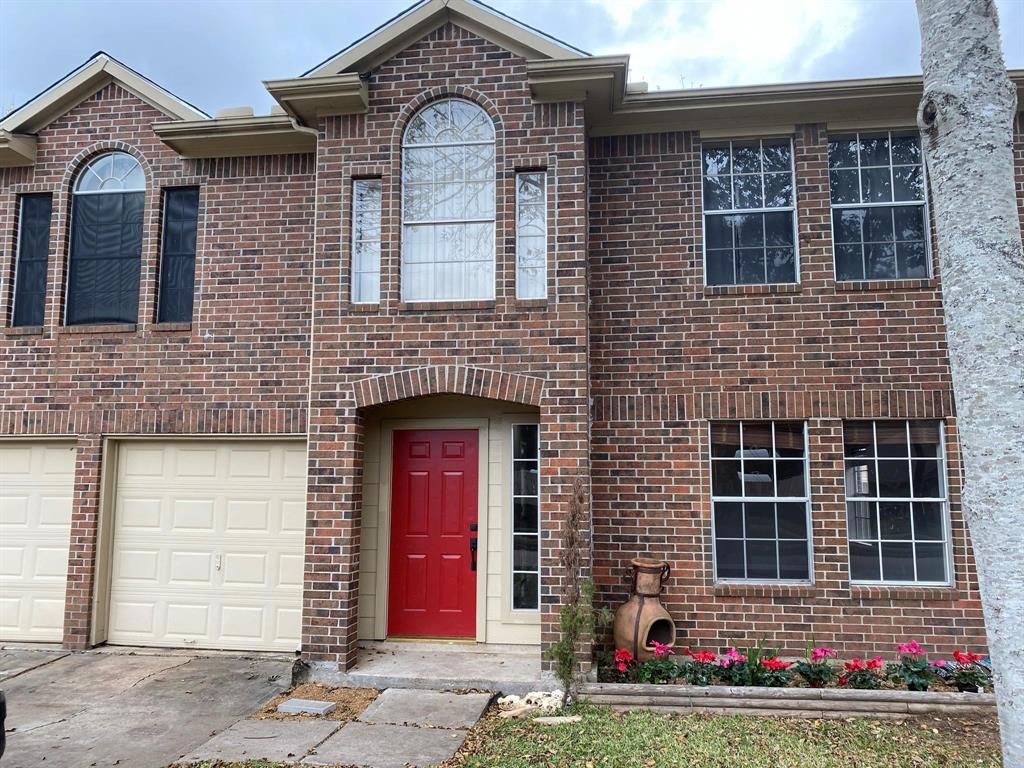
[
  {"x": 910, "y": 649},
  {"x": 732, "y": 656},
  {"x": 661, "y": 650},
  {"x": 937, "y": 663},
  {"x": 822, "y": 653}
]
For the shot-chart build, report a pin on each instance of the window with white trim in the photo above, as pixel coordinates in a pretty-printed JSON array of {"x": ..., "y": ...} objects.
[
  {"x": 366, "y": 226},
  {"x": 760, "y": 501},
  {"x": 879, "y": 216},
  {"x": 897, "y": 521},
  {"x": 525, "y": 517},
  {"x": 448, "y": 203},
  {"x": 749, "y": 213},
  {"x": 531, "y": 235}
]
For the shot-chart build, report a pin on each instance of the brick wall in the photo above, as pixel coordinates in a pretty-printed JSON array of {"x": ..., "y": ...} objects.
[
  {"x": 241, "y": 366},
  {"x": 668, "y": 355},
  {"x": 541, "y": 340}
]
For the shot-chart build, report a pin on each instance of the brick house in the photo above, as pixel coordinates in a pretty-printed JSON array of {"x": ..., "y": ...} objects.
[{"x": 328, "y": 375}]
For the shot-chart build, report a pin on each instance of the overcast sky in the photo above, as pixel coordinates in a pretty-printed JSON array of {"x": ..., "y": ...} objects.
[{"x": 216, "y": 53}]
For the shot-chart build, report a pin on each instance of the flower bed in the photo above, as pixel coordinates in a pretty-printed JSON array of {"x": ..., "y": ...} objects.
[{"x": 757, "y": 679}]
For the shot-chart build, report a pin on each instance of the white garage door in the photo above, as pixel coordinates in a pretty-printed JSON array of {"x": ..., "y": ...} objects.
[
  {"x": 208, "y": 543},
  {"x": 36, "y": 488}
]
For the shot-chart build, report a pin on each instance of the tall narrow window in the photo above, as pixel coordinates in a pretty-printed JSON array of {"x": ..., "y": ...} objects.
[
  {"x": 525, "y": 517},
  {"x": 106, "y": 241},
  {"x": 761, "y": 505},
  {"x": 749, "y": 213},
  {"x": 33, "y": 255},
  {"x": 366, "y": 213},
  {"x": 531, "y": 235},
  {"x": 448, "y": 203},
  {"x": 178, "y": 265},
  {"x": 896, "y": 502},
  {"x": 878, "y": 206}
]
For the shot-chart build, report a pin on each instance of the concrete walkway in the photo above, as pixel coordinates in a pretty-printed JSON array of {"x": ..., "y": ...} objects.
[
  {"x": 143, "y": 709},
  {"x": 402, "y": 727}
]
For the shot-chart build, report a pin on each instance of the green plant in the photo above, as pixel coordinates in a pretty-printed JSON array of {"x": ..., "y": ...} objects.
[
  {"x": 757, "y": 666},
  {"x": 661, "y": 669},
  {"x": 815, "y": 669},
  {"x": 912, "y": 668},
  {"x": 862, "y": 673},
  {"x": 699, "y": 668},
  {"x": 577, "y": 619},
  {"x": 968, "y": 675}
]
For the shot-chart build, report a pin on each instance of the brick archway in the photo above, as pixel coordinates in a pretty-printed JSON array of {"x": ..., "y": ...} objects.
[{"x": 448, "y": 380}]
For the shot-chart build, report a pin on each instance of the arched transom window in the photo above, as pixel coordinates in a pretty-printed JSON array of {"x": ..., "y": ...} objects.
[
  {"x": 448, "y": 203},
  {"x": 106, "y": 241}
]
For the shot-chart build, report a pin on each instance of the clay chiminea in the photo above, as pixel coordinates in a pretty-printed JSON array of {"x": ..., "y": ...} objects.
[{"x": 642, "y": 619}]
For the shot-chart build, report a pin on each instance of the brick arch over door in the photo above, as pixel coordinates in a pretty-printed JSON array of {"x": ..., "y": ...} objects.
[{"x": 449, "y": 380}]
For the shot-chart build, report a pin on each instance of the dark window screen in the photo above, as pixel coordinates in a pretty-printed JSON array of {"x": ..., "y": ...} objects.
[
  {"x": 33, "y": 252},
  {"x": 106, "y": 253},
  {"x": 178, "y": 266}
]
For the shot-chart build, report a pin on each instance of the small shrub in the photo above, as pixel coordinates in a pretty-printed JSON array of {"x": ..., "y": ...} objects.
[
  {"x": 700, "y": 668},
  {"x": 772, "y": 672},
  {"x": 815, "y": 669},
  {"x": 661, "y": 669},
  {"x": 864, "y": 674},
  {"x": 967, "y": 673}
]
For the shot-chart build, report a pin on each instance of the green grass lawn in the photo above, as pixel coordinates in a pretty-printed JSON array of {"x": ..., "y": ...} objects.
[{"x": 606, "y": 739}]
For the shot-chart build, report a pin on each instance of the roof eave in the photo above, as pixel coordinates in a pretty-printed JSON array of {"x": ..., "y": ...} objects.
[
  {"x": 307, "y": 99},
  {"x": 16, "y": 149},
  {"x": 237, "y": 137}
]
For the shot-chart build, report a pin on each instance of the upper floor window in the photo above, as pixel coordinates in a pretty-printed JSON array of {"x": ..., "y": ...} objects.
[
  {"x": 366, "y": 230},
  {"x": 448, "y": 203},
  {"x": 760, "y": 501},
  {"x": 531, "y": 235},
  {"x": 178, "y": 262},
  {"x": 33, "y": 256},
  {"x": 879, "y": 222},
  {"x": 106, "y": 241},
  {"x": 896, "y": 502},
  {"x": 749, "y": 221}
]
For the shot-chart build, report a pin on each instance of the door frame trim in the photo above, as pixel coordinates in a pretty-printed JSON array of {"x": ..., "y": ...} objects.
[{"x": 388, "y": 428}]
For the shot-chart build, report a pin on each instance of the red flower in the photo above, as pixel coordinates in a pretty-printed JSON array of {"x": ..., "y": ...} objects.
[
  {"x": 855, "y": 665},
  {"x": 966, "y": 657},
  {"x": 623, "y": 658},
  {"x": 775, "y": 664},
  {"x": 843, "y": 680},
  {"x": 875, "y": 663},
  {"x": 704, "y": 657}
]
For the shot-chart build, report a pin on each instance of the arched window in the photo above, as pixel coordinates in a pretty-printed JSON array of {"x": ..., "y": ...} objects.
[
  {"x": 448, "y": 203},
  {"x": 106, "y": 241}
]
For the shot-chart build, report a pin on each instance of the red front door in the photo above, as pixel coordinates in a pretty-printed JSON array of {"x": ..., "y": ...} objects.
[{"x": 432, "y": 575}]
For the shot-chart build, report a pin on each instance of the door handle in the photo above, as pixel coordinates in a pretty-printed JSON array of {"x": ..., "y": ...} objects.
[{"x": 472, "y": 552}]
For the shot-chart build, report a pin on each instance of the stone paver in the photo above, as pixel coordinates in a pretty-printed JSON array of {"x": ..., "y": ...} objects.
[
  {"x": 306, "y": 706},
  {"x": 434, "y": 709},
  {"x": 387, "y": 746},
  {"x": 282, "y": 741}
]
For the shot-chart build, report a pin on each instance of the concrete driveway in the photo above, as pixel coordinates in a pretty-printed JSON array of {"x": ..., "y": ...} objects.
[{"x": 141, "y": 709}]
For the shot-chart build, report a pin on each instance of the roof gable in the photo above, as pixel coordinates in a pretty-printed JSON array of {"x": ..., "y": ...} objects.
[
  {"x": 427, "y": 15},
  {"x": 82, "y": 83}
]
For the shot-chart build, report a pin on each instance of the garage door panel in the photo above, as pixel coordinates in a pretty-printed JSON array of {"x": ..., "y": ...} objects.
[
  {"x": 224, "y": 526},
  {"x": 36, "y": 489}
]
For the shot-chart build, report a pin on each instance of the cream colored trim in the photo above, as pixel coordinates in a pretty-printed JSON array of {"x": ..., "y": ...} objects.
[
  {"x": 870, "y": 124},
  {"x": 104, "y": 542},
  {"x": 387, "y": 430},
  {"x": 237, "y": 136},
  {"x": 282, "y": 437},
  {"x": 307, "y": 99},
  {"x": 746, "y": 132},
  {"x": 423, "y": 19},
  {"x": 508, "y": 616},
  {"x": 85, "y": 81},
  {"x": 16, "y": 149}
]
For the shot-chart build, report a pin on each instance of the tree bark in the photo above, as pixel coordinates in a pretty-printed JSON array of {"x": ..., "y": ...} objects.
[{"x": 966, "y": 119}]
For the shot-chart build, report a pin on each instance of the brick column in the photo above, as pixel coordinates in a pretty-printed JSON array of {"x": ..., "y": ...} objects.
[{"x": 85, "y": 514}]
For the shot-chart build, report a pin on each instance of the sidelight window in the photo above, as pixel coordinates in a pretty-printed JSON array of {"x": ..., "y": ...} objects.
[{"x": 525, "y": 517}]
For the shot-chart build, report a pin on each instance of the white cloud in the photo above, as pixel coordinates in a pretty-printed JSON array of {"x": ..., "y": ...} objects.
[{"x": 674, "y": 44}]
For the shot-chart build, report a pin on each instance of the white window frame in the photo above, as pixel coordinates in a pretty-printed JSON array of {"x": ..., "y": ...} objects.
[
  {"x": 805, "y": 500},
  {"x": 406, "y": 223},
  {"x": 543, "y": 205},
  {"x": 947, "y": 538},
  {"x": 923, "y": 202},
  {"x": 511, "y": 520},
  {"x": 356, "y": 240},
  {"x": 738, "y": 211}
]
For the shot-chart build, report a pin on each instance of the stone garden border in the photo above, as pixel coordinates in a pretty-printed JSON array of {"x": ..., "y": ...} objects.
[{"x": 823, "y": 703}]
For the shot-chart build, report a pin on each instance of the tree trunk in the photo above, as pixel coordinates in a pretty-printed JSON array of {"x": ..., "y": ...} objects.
[{"x": 966, "y": 119}]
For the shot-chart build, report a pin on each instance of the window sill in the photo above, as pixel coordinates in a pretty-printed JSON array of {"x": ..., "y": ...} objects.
[
  {"x": 24, "y": 330},
  {"x": 97, "y": 328},
  {"x": 885, "y": 285},
  {"x": 751, "y": 290},
  {"x": 169, "y": 327},
  {"x": 737, "y": 589},
  {"x": 529, "y": 304},
  {"x": 903, "y": 592},
  {"x": 444, "y": 306}
]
